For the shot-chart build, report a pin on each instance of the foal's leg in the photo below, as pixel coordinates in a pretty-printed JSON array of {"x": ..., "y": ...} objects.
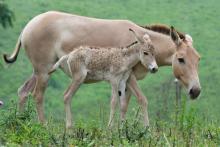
[
  {"x": 79, "y": 78},
  {"x": 123, "y": 95},
  {"x": 114, "y": 85},
  {"x": 142, "y": 100}
]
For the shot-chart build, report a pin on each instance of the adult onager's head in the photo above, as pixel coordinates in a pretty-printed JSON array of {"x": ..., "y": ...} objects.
[
  {"x": 146, "y": 52},
  {"x": 185, "y": 63}
]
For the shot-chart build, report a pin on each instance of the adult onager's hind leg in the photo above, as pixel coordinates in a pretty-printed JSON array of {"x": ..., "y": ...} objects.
[
  {"x": 24, "y": 91},
  {"x": 42, "y": 58},
  {"x": 41, "y": 84}
]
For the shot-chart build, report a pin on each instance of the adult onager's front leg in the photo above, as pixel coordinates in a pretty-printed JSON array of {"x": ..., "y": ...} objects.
[
  {"x": 133, "y": 87},
  {"x": 124, "y": 101}
]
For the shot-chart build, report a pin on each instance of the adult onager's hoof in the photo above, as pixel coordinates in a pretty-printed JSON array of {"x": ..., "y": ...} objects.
[{"x": 1, "y": 103}]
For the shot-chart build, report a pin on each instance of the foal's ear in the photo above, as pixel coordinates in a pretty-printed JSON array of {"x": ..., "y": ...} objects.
[
  {"x": 146, "y": 38},
  {"x": 136, "y": 35},
  {"x": 174, "y": 35},
  {"x": 189, "y": 38}
]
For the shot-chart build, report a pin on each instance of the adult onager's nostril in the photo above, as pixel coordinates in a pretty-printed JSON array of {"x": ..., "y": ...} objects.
[{"x": 194, "y": 93}]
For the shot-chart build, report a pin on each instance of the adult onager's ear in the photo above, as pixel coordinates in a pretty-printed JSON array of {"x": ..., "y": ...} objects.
[
  {"x": 136, "y": 36},
  {"x": 174, "y": 35},
  {"x": 188, "y": 38}
]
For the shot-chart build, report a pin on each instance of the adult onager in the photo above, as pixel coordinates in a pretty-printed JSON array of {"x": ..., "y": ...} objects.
[
  {"x": 49, "y": 36},
  {"x": 109, "y": 64}
]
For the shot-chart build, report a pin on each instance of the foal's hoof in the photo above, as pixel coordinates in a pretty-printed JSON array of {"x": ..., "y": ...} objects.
[
  {"x": 69, "y": 127},
  {"x": 146, "y": 126},
  {"x": 69, "y": 130},
  {"x": 110, "y": 125}
]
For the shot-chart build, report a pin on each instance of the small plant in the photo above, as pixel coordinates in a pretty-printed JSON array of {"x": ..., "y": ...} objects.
[
  {"x": 21, "y": 127},
  {"x": 6, "y": 15}
]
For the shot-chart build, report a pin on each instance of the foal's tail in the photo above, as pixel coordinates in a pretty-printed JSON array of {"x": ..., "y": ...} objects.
[
  {"x": 60, "y": 61},
  {"x": 12, "y": 58}
]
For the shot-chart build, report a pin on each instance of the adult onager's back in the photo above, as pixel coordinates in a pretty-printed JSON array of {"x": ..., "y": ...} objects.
[{"x": 112, "y": 64}]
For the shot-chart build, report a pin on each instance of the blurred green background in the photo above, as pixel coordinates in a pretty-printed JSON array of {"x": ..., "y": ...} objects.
[{"x": 199, "y": 18}]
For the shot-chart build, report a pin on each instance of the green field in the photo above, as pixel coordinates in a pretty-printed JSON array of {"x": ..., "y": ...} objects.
[{"x": 200, "y": 118}]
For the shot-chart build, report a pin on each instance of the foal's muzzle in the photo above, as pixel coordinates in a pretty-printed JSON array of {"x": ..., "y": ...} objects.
[
  {"x": 194, "y": 92},
  {"x": 153, "y": 68}
]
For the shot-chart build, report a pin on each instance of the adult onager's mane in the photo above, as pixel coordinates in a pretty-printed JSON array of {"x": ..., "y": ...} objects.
[{"x": 164, "y": 29}]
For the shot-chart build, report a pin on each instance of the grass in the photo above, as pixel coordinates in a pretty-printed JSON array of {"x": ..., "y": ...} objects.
[
  {"x": 199, "y": 18},
  {"x": 186, "y": 130}
]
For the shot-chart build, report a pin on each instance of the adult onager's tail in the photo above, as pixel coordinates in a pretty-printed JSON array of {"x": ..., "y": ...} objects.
[
  {"x": 63, "y": 58},
  {"x": 12, "y": 58}
]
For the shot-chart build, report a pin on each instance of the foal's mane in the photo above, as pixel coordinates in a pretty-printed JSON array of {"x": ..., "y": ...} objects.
[{"x": 164, "y": 29}]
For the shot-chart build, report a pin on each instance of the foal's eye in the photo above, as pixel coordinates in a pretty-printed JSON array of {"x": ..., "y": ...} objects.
[
  {"x": 146, "y": 53},
  {"x": 181, "y": 60}
]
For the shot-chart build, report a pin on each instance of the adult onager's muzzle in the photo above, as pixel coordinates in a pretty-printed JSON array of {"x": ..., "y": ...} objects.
[{"x": 194, "y": 92}]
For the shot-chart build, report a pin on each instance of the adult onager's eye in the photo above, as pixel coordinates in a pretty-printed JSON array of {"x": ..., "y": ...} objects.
[
  {"x": 181, "y": 60},
  {"x": 146, "y": 53}
]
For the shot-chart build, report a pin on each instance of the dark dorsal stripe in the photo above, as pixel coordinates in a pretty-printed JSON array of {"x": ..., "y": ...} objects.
[
  {"x": 131, "y": 44},
  {"x": 164, "y": 29}
]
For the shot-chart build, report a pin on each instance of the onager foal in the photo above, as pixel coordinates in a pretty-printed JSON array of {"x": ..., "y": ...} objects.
[{"x": 110, "y": 64}]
